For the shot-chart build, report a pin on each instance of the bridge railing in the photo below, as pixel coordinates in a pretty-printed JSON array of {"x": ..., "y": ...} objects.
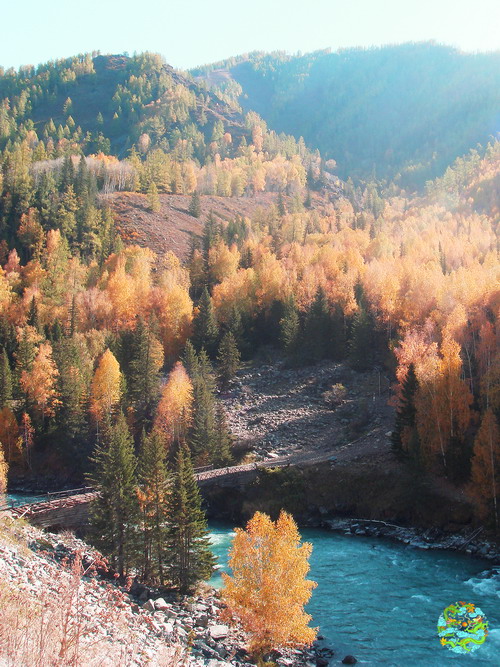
[
  {"x": 55, "y": 495},
  {"x": 44, "y": 498}
]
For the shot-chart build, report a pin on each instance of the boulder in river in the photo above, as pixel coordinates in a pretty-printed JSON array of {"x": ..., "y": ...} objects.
[{"x": 349, "y": 660}]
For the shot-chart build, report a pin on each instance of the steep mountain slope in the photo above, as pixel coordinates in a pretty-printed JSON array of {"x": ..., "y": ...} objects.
[
  {"x": 403, "y": 112},
  {"x": 107, "y": 102}
]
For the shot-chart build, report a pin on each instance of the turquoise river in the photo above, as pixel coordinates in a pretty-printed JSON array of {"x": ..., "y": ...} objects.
[{"x": 380, "y": 601}]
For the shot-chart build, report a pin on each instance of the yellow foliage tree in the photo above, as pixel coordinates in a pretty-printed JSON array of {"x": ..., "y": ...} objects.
[
  {"x": 105, "y": 390},
  {"x": 174, "y": 409},
  {"x": 174, "y": 309},
  {"x": 268, "y": 589}
]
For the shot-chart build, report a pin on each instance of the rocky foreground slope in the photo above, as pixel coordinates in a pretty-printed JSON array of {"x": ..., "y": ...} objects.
[{"x": 59, "y": 606}]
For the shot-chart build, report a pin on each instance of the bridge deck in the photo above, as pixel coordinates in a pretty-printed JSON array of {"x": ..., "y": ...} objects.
[{"x": 66, "y": 507}]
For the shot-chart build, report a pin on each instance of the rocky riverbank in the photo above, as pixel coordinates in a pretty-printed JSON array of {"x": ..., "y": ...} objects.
[
  {"x": 58, "y": 599},
  {"x": 467, "y": 542}
]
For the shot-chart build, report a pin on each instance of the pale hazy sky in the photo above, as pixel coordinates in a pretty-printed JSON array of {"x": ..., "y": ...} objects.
[{"x": 193, "y": 32}]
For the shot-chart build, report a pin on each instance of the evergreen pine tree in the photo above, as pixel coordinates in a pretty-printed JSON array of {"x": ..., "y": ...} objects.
[
  {"x": 202, "y": 435},
  {"x": 222, "y": 455},
  {"x": 405, "y": 422},
  {"x": 114, "y": 514},
  {"x": 153, "y": 198},
  {"x": 202, "y": 431},
  {"x": 153, "y": 493},
  {"x": 361, "y": 341},
  {"x": 143, "y": 380},
  {"x": 82, "y": 179},
  {"x": 195, "y": 205},
  {"x": 190, "y": 558},
  {"x": 73, "y": 319},
  {"x": 210, "y": 236},
  {"x": 5, "y": 380},
  {"x": 190, "y": 359},
  {"x": 33, "y": 318},
  {"x": 317, "y": 328},
  {"x": 290, "y": 329},
  {"x": 73, "y": 386},
  {"x": 236, "y": 326},
  {"x": 228, "y": 358},
  {"x": 281, "y": 205},
  {"x": 205, "y": 327}
]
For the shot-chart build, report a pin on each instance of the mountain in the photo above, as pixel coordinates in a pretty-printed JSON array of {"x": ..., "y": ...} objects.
[
  {"x": 397, "y": 112},
  {"x": 105, "y": 103}
]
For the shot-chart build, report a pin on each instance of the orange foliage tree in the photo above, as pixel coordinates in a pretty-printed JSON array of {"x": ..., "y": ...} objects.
[
  {"x": 485, "y": 472},
  {"x": 268, "y": 589},
  {"x": 9, "y": 435},
  {"x": 39, "y": 383}
]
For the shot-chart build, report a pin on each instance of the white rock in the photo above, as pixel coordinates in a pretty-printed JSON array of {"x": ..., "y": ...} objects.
[
  {"x": 218, "y": 631},
  {"x": 161, "y": 605}
]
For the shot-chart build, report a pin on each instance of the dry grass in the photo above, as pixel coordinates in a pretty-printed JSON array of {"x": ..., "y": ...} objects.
[{"x": 54, "y": 622}]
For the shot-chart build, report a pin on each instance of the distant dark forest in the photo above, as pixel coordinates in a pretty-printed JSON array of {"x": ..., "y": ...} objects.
[{"x": 399, "y": 112}]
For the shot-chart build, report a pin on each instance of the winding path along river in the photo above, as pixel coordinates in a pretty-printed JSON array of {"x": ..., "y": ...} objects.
[{"x": 380, "y": 601}]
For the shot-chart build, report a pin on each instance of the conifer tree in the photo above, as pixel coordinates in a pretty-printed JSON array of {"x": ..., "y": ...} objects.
[
  {"x": 361, "y": 341},
  {"x": 153, "y": 495},
  {"x": 290, "y": 329},
  {"x": 281, "y": 205},
  {"x": 195, "y": 205},
  {"x": 205, "y": 328},
  {"x": 74, "y": 384},
  {"x": 210, "y": 236},
  {"x": 202, "y": 435},
  {"x": 222, "y": 455},
  {"x": 236, "y": 326},
  {"x": 33, "y": 318},
  {"x": 228, "y": 358},
  {"x": 5, "y": 380},
  {"x": 190, "y": 359},
  {"x": 114, "y": 514},
  {"x": 405, "y": 436},
  {"x": 190, "y": 558},
  {"x": 144, "y": 372},
  {"x": 317, "y": 328},
  {"x": 153, "y": 198}
]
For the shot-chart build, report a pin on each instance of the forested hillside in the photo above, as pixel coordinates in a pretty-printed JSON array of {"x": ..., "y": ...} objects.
[
  {"x": 93, "y": 328},
  {"x": 399, "y": 112}
]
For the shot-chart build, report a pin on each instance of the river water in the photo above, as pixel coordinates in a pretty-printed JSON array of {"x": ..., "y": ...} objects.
[{"x": 380, "y": 601}]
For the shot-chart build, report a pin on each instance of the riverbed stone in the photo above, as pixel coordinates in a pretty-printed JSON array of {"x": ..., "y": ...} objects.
[{"x": 349, "y": 660}]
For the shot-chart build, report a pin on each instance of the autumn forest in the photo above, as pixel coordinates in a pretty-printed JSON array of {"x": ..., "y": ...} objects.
[{"x": 104, "y": 339}]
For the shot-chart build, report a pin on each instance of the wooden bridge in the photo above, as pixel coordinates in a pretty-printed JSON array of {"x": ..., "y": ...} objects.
[{"x": 70, "y": 509}]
